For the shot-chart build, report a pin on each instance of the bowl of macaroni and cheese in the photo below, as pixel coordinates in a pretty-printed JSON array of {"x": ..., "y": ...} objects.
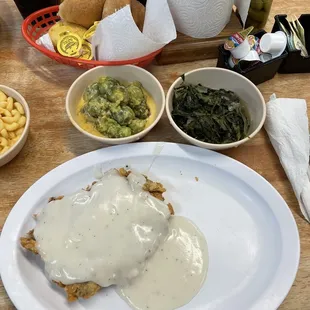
[
  {"x": 14, "y": 123},
  {"x": 115, "y": 105}
]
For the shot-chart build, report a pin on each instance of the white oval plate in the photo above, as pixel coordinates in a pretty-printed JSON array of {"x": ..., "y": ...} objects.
[{"x": 251, "y": 233}]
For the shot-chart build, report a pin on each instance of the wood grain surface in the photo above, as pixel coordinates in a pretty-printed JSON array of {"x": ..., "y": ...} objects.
[{"x": 53, "y": 140}]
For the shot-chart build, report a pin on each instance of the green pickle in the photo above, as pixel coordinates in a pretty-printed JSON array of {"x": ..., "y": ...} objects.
[
  {"x": 116, "y": 110},
  {"x": 258, "y": 13}
]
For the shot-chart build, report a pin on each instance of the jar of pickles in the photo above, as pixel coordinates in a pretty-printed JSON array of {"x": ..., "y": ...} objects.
[{"x": 258, "y": 13}]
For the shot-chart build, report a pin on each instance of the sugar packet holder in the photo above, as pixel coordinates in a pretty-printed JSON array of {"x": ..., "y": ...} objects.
[
  {"x": 295, "y": 63},
  {"x": 261, "y": 72}
]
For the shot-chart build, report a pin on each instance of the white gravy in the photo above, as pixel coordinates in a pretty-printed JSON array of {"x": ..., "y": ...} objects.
[
  {"x": 104, "y": 235},
  {"x": 175, "y": 273}
]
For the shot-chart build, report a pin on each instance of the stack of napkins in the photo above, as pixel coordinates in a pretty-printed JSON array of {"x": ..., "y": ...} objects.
[{"x": 287, "y": 127}]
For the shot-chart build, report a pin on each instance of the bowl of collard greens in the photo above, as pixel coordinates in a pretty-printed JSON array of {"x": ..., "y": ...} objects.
[{"x": 215, "y": 108}]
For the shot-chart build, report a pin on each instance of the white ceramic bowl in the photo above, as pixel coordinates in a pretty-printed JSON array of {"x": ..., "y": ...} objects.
[
  {"x": 127, "y": 73},
  {"x": 221, "y": 78},
  {"x": 16, "y": 148}
]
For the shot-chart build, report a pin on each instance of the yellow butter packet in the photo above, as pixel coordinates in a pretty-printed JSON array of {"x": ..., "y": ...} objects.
[
  {"x": 86, "y": 52},
  {"x": 90, "y": 32},
  {"x": 244, "y": 33},
  {"x": 69, "y": 45}
]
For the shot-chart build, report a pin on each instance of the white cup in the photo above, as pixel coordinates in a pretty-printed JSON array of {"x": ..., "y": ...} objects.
[
  {"x": 265, "y": 57},
  {"x": 273, "y": 43},
  {"x": 251, "y": 59},
  {"x": 251, "y": 56},
  {"x": 232, "y": 62},
  {"x": 241, "y": 50}
]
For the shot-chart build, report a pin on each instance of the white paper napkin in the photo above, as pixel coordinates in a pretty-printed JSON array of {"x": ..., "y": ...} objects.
[
  {"x": 205, "y": 18},
  {"x": 46, "y": 42},
  {"x": 117, "y": 36},
  {"x": 287, "y": 127},
  {"x": 243, "y": 9}
]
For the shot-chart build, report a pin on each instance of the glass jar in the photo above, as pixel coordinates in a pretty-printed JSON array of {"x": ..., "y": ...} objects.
[{"x": 258, "y": 13}]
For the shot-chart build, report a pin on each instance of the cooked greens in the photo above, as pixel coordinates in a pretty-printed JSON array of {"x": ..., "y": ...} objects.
[
  {"x": 116, "y": 110},
  {"x": 210, "y": 115}
]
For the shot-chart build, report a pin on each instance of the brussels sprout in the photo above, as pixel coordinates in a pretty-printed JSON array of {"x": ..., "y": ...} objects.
[
  {"x": 116, "y": 110},
  {"x": 136, "y": 95},
  {"x": 110, "y": 128},
  {"x": 119, "y": 95},
  {"x": 106, "y": 85},
  {"x": 125, "y": 132},
  {"x": 137, "y": 125},
  {"x": 91, "y": 92},
  {"x": 89, "y": 118},
  {"x": 107, "y": 126},
  {"x": 122, "y": 114},
  {"x": 96, "y": 106},
  {"x": 142, "y": 111},
  {"x": 136, "y": 83}
]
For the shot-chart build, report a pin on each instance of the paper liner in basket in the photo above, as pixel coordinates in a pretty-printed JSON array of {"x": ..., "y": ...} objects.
[{"x": 117, "y": 36}]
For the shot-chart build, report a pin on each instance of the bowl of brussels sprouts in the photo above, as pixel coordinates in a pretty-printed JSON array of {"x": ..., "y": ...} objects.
[{"x": 115, "y": 105}]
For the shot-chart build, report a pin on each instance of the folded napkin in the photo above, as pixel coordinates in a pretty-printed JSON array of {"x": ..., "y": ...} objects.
[{"x": 287, "y": 128}]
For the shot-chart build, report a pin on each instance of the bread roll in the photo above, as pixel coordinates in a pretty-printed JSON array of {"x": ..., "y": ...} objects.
[
  {"x": 137, "y": 10},
  {"x": 81, "y": 12},
  {"x": 112, "y": 6},
  {"x": 138, "y": 13}
]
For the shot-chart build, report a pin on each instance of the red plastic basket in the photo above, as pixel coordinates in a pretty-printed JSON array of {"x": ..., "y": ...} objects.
[{"x": 38, "y": 23}]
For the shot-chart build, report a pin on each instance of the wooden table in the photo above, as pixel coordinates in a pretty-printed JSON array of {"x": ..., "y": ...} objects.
[{"x": 53, "y": 140}]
